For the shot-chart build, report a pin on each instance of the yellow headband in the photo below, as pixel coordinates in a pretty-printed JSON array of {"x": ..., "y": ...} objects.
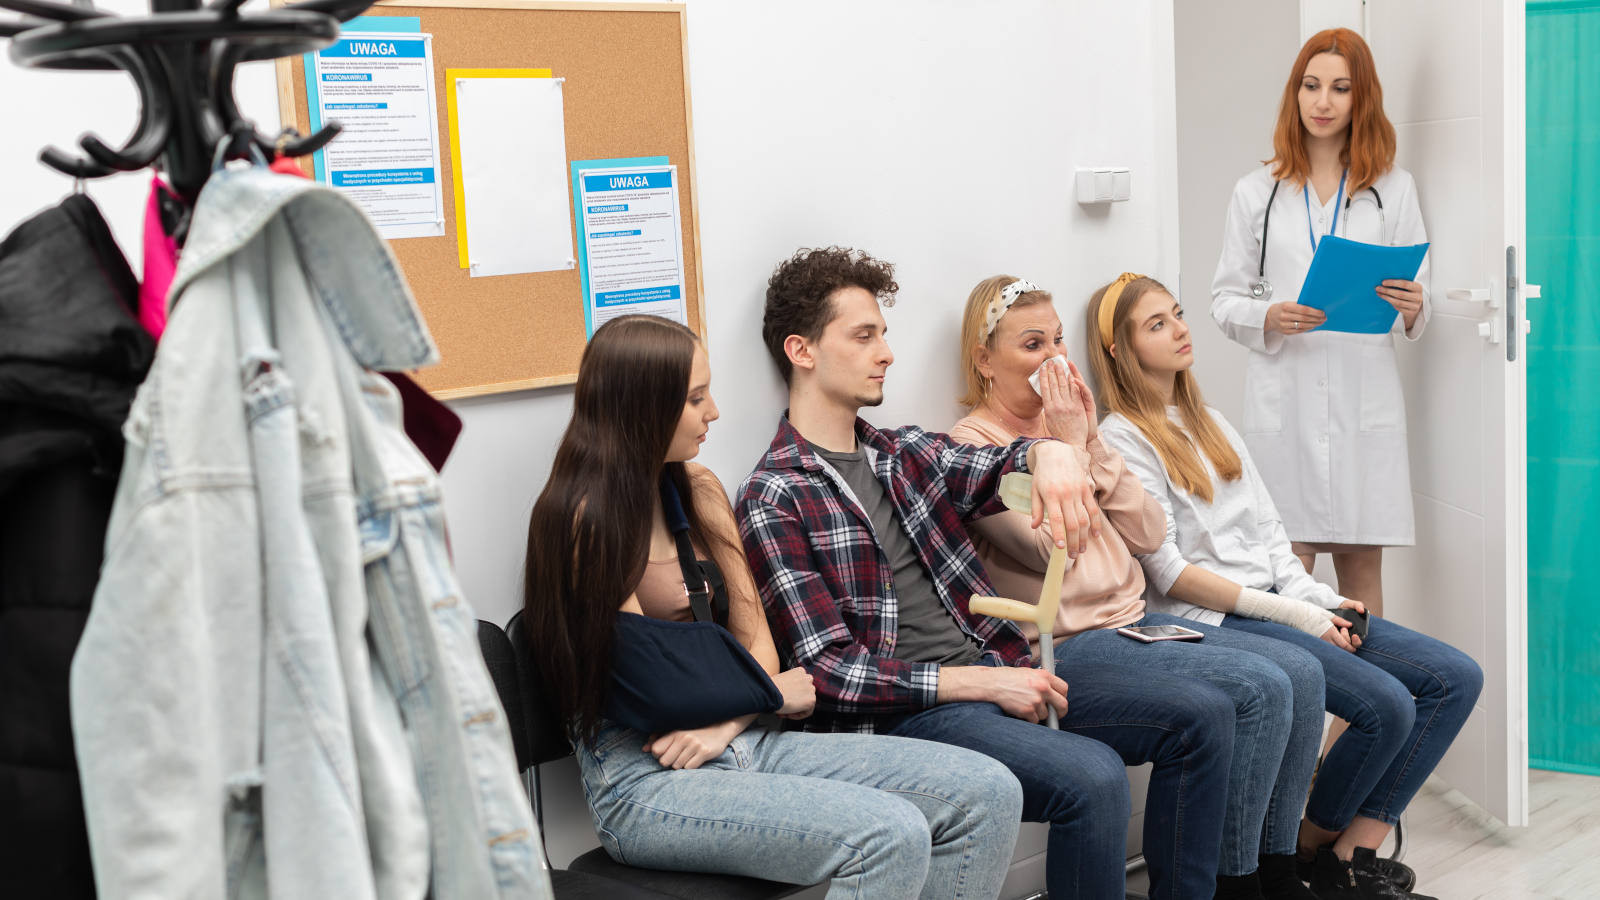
[{"x": 1108, "y": 306}]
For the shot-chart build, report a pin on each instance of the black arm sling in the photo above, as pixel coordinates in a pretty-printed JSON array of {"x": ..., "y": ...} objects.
[
  {"x": 702, "y": 578},
  {"x": 672, "y": 675}
]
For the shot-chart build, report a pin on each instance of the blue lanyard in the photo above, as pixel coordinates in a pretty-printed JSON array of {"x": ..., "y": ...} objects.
[{"x": 1305, "y": 194}]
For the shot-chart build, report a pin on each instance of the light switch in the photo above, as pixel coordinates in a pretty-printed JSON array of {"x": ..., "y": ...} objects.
[
  {"x": 1122, "y": 181},
  {"x": 1102, "y": 184}
]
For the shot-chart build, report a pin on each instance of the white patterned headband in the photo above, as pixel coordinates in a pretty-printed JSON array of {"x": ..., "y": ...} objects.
[{"x": 1008, "y": 296}]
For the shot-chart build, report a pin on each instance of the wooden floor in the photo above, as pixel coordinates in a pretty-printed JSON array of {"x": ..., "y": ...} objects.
[{"x": 1460, "y": 853}]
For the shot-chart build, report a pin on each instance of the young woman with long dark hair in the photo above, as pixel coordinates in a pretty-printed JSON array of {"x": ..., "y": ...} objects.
[{"x": 872, "y": 816}]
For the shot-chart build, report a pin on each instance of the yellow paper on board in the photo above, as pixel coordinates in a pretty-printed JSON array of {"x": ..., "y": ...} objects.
[{"x": 450, "y": 76}]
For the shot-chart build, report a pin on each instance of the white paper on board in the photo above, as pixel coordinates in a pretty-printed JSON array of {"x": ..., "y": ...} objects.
[{"x": 513, "y": 175}]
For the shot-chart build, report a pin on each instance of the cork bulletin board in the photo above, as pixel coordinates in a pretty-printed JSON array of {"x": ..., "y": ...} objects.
[{"x": 626, "y": 95}]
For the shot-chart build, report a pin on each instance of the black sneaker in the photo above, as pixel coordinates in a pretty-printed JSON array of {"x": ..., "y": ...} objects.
[
  {"x": 1368, "y": 862},
  {"x": 1238, "y": 887},
  {"x": 1335, "y": 879},
  {"x": 1279, "y": 880}
]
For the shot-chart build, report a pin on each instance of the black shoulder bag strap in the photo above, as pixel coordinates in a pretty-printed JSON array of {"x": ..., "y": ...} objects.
[{"x": 707, "y": 592}]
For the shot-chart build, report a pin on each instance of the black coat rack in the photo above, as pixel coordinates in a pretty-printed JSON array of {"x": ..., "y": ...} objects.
[{"x": 181, "y": 57}]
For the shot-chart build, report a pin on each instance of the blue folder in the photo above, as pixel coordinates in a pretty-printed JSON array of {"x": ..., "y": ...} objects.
[{"x": 1343, "y": 281}]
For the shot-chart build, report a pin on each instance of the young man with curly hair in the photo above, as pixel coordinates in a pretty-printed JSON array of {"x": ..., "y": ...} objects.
[{"x": 856, "y": 539}]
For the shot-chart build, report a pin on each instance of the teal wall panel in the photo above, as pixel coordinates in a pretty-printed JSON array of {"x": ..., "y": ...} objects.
[{"x": 1563, "y": 209}]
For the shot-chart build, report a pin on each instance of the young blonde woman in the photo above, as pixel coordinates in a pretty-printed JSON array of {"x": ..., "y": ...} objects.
[
  {"x": 1324, "y": 415},
  {"x": 1009, "y": 331},
  {"x": 1227, "y": 561}
]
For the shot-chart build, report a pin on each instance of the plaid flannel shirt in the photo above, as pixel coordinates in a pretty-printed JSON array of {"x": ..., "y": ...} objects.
[{"x": 827, "y": 586}]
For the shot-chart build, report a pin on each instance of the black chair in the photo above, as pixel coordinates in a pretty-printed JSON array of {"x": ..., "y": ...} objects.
[
  {"x": 568, "y": 884},
  {"x": 540, "y": 737}
]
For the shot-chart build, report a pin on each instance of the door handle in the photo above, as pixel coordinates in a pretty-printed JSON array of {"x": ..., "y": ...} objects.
[
  {"x": 1530, "y": 292},
  {"x": 1492, "y": 328},
  {"x": 1474, "y": 295}
]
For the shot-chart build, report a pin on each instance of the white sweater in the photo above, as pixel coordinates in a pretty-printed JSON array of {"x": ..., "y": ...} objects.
[{"x": 1238, "y": 535}]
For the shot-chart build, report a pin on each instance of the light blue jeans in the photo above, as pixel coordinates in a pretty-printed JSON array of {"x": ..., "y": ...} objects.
[
  {"x": 871, "y": 815},
  {"x": 1277, "y": 694}
]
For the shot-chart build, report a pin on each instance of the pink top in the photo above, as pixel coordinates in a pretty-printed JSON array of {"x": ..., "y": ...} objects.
[
  {"x": 1103, "y": 587},
  {"x": 160, "y": 263},
  {"x": 661, "y": 592}
]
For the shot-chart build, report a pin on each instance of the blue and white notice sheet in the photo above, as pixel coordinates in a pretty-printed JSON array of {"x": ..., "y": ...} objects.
[
  {"x": 632, "y": 243},
  {"x": 379, "y": 86}
]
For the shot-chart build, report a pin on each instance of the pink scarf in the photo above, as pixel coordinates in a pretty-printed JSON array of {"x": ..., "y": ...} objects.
[{"x": 160, "y": 263}]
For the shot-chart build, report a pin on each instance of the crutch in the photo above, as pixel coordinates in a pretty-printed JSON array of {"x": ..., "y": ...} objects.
[{"x": 1016, "y": 491}]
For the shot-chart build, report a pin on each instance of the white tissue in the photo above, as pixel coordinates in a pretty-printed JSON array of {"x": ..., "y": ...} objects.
[{"x": 1034, "y": 378}]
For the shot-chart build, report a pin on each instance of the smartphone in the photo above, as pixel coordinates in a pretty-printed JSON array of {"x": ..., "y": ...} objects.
[
  {"x": 1152, "y": 633},
  {"x": 1358, "y": 621}
]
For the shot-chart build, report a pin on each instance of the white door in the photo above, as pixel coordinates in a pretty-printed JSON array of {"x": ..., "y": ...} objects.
[{"x": 1452, "y": 74}]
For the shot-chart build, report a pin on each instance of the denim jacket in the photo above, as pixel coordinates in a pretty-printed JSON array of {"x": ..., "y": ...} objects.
[{"x": 279, "y": 691}]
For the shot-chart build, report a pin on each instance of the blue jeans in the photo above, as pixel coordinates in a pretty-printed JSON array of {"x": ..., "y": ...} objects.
[
  {"x": 1276, "y": 691},
  {"x": 1405, "y": 695},
  {"x": 1080, "y": 786},
  {"x": 875, "y": 816}
]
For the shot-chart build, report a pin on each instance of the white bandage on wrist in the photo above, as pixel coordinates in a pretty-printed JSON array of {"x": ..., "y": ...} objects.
[{"x": 1307, "y": 617}]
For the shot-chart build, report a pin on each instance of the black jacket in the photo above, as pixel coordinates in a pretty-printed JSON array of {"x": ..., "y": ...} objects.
[{"x": 71, "y": 356}]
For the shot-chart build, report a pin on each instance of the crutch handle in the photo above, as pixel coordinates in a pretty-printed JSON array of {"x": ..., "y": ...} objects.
[{"x": 1004, "y": 608}]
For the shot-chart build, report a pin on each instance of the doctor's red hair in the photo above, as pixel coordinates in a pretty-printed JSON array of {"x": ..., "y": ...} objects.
[{"x": 1369, "y": 144}]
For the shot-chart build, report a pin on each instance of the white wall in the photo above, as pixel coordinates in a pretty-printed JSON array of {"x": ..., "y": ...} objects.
[
  {"x": 1318, "y": 15},
  {"x": 939, "y": 135},
  {"x": 1225, "y": 115}
]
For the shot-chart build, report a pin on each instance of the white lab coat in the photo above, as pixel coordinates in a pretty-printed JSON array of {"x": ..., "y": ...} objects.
[{"x": 1324, "y": 416}]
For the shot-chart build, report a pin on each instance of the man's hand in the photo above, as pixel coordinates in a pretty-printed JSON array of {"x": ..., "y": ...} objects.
[
  {"x": 799, "y": 693},
  {"x": 1063, "y": 491},
  {"x": 690, "y": 749},
  {"x": 1027, "y": 694}
]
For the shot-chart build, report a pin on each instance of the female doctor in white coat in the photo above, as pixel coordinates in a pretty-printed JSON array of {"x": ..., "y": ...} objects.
[{"x": 1324, "y": 417}]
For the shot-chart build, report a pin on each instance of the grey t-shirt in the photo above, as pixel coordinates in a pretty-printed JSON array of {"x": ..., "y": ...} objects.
[{"x": 927, "y": 632}]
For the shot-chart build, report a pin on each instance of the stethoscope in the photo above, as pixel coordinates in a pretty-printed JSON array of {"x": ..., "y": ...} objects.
[{"x": 1261, "y": 288}]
